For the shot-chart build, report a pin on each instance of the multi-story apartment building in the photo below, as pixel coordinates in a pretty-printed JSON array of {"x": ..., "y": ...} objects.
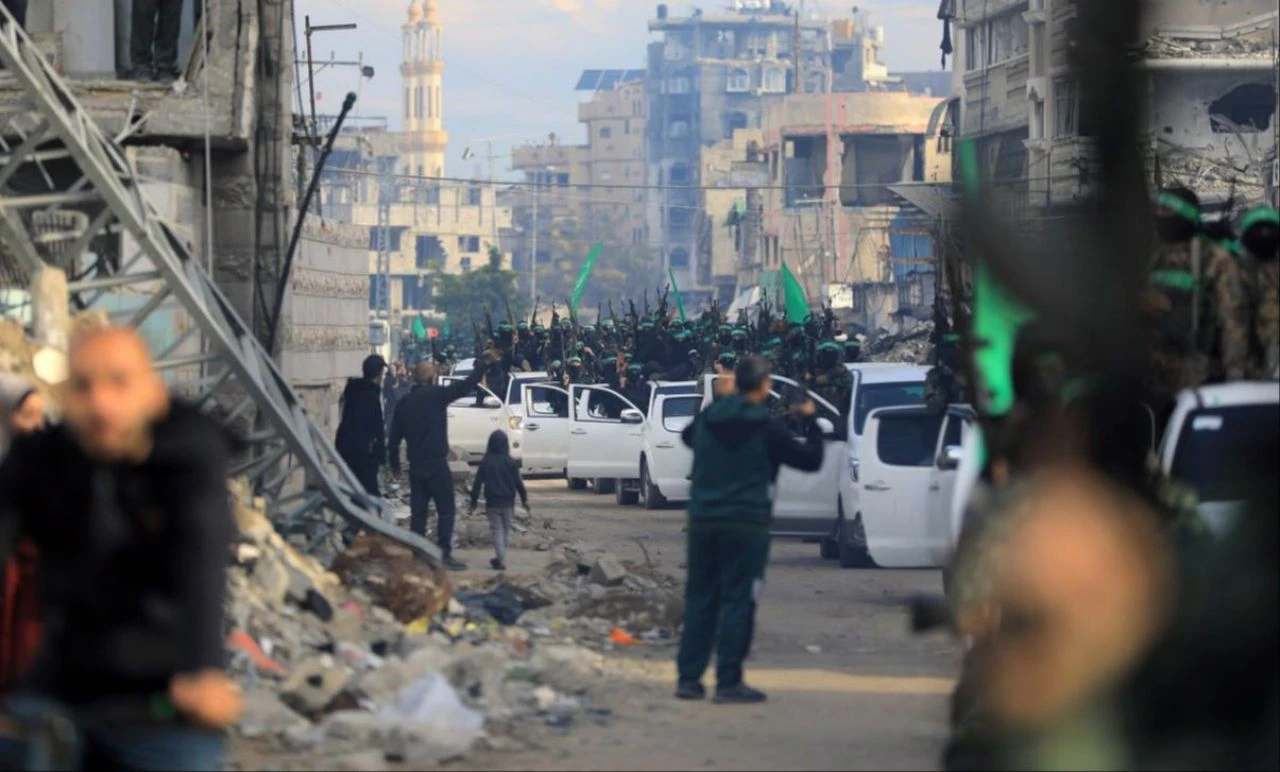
[
  {"x": 389, "y": 182},
  {"x": 595, "y": 190},
  {"x": 1210, "y": 77},
  {"x": 712, "y": 73}
]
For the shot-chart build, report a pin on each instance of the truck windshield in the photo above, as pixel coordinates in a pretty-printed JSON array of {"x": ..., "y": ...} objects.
[
  {"x": 1212, "y": 442},
  {"x": 877, "y": 395}
]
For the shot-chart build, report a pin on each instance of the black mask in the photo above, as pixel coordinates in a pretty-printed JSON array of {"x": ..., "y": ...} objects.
[
  {"x": 1262, "y": 241},
  {"x": 1175, "y": 230}
]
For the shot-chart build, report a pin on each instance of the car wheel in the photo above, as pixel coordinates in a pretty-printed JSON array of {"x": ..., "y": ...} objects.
[
  {"x": 650, "y": 496},
  {"x": 603, "y": 485},
  {"x": 577, "y": 484},
  {"x": 624, "y": 497},
  {"x": 853, "y": 546}
]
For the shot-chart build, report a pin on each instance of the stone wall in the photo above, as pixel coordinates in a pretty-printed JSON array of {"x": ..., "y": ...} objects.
[{"x": 324, "y": 333}]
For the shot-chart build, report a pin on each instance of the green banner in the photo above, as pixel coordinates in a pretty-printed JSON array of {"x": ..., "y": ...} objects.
[
  {"x": 419, "y": 329},
  {"x": 581, "y": 285},
  {"x": 679, "y": 300},
  {"x": 997, "y": 317},
  {"x": 794, "y": 298}
]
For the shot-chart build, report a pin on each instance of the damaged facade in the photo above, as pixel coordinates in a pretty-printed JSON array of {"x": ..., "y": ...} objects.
[
  {"x": 239, "y": 100},
  {"x": 1210, "y": 72},
  {"x": 829, "y": 210}
]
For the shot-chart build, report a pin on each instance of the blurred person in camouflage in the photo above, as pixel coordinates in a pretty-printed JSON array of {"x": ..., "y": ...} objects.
[
  {"x": 1196, "y": 303},
  {"x": 127, "y": 505},
  {"x": 1260, "y": 243}
]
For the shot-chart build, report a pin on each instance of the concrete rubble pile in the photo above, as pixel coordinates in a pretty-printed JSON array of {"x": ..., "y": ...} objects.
[
  {"x": 330, "y": 671},
  {"x": 910, "y": 347}
]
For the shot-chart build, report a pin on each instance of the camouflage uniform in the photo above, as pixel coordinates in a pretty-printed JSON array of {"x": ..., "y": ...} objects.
[
  {"x": 1198, "y": 307},
  {"x": 1262, "y": 282}
]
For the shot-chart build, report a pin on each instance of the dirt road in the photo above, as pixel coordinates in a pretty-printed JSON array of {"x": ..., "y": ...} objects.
[{"x": 849, "y": 687}]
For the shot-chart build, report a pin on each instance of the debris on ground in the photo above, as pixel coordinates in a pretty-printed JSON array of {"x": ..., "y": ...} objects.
[{"x": 913, "y": 346}]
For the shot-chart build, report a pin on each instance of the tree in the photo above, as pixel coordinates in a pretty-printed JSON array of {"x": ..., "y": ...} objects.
[
  {"x": 464, "y": 298},
  {"x": 624, "y": 270}
]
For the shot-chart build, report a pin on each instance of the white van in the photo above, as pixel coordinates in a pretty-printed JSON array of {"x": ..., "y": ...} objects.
[{"x": 875, "y": 385}]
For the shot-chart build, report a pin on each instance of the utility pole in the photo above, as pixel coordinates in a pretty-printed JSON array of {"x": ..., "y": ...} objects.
[
  {"x": 386, "y": 184},
  {"x": 533, "y": 257},
  {"x": 313, "y": 132}
]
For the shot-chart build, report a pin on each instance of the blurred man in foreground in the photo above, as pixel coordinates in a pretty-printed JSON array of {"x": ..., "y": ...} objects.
[
  {"x": 127, "y": 505},
  {"x": 737, "y": 451},
  {"x": 360, "y": 439}
]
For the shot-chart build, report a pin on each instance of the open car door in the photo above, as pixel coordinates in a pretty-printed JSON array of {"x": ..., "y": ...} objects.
[
  {"x": 898, "y": 458},
  {"x": 667, "y": 461},
  {"x": 606, "y": 431},
  {"x": 473, "y": 418},
  {"x": 546, "y": 429},
  {"x": 942, "y": 479}
]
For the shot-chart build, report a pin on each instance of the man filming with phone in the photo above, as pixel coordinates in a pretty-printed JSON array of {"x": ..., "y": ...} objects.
[{"x": 738, "y": 448}]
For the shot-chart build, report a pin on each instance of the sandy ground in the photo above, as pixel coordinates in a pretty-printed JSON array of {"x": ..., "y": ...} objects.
[
  {"x": 869, "y": 696},
  {"x": 872, "y": 697}
]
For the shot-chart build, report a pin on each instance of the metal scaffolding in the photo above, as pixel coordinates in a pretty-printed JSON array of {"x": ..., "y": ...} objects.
[{"x": 70, "y": 198}]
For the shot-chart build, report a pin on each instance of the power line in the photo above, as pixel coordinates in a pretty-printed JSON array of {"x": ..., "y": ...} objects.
[{"x": 615, "y": 186}]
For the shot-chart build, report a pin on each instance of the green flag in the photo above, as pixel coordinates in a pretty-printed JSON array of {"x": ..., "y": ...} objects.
[
  {"x": 679, "y": 300},
  {"x": 793, "y": 296},
  {"x": 997, "y": 317},
  {"x": 580, "y": 285},
  {"x": 419, "y": 329}
]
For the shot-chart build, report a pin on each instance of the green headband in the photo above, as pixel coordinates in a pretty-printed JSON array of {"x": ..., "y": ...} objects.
[
  {"x": 1262, "y": 215},
  {"x": 1182, "y": 208}
]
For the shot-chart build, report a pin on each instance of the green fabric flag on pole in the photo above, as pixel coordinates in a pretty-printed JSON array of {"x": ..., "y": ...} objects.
[
  {"x": 794, "y": 298},
  {"x": 419, "y": 329},
  {"x": 580, "y": 286},
  {"x": 679, "y": 300},
  {"x": 997, "y": 317}
]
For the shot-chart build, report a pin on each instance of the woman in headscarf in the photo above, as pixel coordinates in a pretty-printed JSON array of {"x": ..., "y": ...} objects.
[{"x": 21, "y": 412}]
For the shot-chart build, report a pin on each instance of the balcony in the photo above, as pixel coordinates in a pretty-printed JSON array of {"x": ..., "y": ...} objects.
[{"x": 88, "y": 49}]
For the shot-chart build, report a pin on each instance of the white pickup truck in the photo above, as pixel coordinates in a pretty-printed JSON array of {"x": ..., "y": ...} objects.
[
  {"x": 1211, "y": 428},
  {"x": 805, "y": 502},
  {"x": 875, "y": 385},
  {"x": 472, "y": 420},
  {"x": 630, "y": 451}
]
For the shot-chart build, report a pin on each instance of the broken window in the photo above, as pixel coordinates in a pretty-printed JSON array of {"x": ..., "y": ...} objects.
[
  {"x": 739, "y": 81},
  {"x": 465, "y": 264},
  {"x": 734, "y": 121},
  {"x": 803, "y": 170},
  {"x": 679, "y": 173},
  {"x": 679, "y": 258},
  {"x": 871, "y": 162},
  {"x": 468, "y": 244},
  {"x": 1247, "y": 108},
  {"x": 428, "y": 252}
]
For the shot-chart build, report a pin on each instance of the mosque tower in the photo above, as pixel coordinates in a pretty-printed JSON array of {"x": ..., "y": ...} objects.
[{"x": 424, "y": 138}]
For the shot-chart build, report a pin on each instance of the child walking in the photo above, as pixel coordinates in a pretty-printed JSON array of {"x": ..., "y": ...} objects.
[{"x": 499, "y": 475}]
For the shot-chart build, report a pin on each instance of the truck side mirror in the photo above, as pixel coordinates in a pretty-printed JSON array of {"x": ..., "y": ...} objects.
[
  {"x": 949, "y": 458},
  {"x": 825, "y": 426},
  {"x": 632, "y": 416}
]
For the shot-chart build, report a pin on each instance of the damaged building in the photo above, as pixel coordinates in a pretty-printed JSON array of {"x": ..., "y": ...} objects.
[
  {"x": 1210, "y": 76},
  {"x": 830, "y": 211}
]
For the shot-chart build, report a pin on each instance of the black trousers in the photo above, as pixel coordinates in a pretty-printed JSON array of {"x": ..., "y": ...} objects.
[
  {"x": 433, "y": 483},
  {"x": 154, "y": 39},
  {"x": 726, "y": 564},
  {"x": 19, "y": 10},
  {"x": 365, "y": 468}
]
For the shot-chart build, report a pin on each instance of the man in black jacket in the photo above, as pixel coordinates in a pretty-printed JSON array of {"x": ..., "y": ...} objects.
[
  {"x": 737, "y": 451},
  {"x": 360, "y": 439},
  {"x": 421, "y": 421},
  {"x": 127, "y": 506}
]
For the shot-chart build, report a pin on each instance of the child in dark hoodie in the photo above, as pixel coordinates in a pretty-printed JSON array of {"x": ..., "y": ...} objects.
[{"x": 499, "y": 475}]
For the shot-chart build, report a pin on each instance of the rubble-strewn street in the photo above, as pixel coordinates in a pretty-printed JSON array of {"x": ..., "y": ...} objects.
[{"x": 581, "y": 678}]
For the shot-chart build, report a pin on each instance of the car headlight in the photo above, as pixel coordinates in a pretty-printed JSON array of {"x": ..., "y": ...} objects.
[{"x": 515, "y": 423}]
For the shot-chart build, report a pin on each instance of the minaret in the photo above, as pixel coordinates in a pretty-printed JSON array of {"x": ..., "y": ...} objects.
[{"x": 425, "y": 139}]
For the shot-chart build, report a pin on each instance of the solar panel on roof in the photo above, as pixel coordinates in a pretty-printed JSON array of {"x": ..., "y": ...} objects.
[
  {"x": 590, "y": 80},
  {"x": 610, "y": 79}
]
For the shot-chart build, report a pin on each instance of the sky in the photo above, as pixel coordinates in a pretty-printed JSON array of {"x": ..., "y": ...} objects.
[{"x": 511, "y": 65}]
